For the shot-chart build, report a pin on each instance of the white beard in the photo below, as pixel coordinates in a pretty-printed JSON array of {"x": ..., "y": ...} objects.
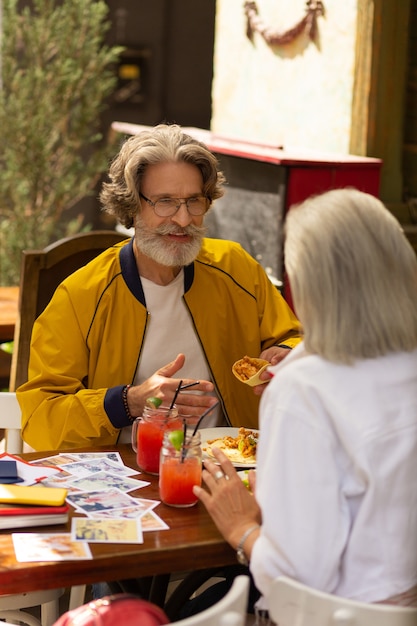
[{"x": 171, "y": 254}]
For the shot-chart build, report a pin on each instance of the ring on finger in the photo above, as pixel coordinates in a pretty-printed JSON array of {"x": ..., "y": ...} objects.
[{"x": 219, "y": 474}]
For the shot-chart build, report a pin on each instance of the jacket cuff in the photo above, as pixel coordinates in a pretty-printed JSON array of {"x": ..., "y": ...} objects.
[
  {"x": 289, "y": 343},
  {"x": 113, "y": 405}
]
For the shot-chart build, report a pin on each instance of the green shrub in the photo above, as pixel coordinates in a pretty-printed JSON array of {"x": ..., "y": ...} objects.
[{"x": 56, "y": 77}]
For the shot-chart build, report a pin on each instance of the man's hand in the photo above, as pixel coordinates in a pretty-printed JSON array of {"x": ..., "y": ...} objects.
[
  {"x": 163, "y": 385},
  {"x": 274, "y": 355}
]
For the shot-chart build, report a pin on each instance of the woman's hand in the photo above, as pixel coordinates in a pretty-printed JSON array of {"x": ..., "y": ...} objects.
[{"x": 233, "y": 508}]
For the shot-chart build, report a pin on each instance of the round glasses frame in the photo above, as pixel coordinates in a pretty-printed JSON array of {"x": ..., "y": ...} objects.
[{"x": 167, "y": 207}]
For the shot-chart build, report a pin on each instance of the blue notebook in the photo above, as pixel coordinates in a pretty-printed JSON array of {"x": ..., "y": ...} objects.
[{"x": 8, "y": 472}]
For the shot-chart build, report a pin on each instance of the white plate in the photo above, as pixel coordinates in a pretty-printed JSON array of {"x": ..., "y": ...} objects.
[{"x": 208, "y": 434}]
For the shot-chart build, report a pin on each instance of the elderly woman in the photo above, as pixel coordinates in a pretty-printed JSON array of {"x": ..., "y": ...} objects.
[{"x": 335, "y": 505}]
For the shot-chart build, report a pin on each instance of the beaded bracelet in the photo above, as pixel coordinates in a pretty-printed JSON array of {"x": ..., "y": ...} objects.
[{"x": 125, "y": 404}]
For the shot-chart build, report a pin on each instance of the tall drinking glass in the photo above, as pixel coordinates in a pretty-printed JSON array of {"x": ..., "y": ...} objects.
[
  {"x": 179, "y": 470},
  {"x": 148, "y": 434}
]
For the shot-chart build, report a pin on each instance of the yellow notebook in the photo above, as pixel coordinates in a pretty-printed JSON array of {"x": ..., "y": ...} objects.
[{"x": 46, "y": 496}]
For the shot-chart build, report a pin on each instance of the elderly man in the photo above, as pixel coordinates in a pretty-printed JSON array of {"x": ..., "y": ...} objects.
[{"x": 166, "y": 306}]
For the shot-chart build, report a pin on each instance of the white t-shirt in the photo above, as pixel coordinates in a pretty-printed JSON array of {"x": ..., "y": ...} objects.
[
  {"x": 170, "y": 331},
  {"x": 337, "y": 476}
]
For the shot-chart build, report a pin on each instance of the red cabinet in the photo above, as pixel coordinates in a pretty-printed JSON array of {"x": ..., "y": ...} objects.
[{"x": 302, "y": 173}]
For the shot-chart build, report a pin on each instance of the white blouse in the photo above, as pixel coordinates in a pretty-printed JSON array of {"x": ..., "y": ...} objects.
[{"x": 337, "y": 476}]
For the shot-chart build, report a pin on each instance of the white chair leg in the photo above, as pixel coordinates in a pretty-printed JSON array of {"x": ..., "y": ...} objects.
[
  {"x": 14, "y": 443},
  {"x": 49, "y": 612},
  {"x": 77, "y": 596}
]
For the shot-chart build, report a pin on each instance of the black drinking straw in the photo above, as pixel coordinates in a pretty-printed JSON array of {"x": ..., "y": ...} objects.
[
  {"x": 175, "y": 395},
  {"x": 197, "y": 382},
  {"x": 184, "y": 432},
  {"x": 209, "y": 410},
  {"x": 202, "y": 416}
]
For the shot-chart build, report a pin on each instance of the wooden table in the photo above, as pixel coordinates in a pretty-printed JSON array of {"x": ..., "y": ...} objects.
[
  {"x": 8, "y": 312},
  {"x": 191, "y": 543}
]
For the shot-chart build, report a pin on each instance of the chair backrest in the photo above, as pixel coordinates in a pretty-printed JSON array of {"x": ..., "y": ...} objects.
[
  {"x": 232, "y": 618},
  {"x": 226, "y": 611},
  {"x": 292, "y": 603},
  {"x": 41, "y": 273},
  {"x": 10, "y": 421}
]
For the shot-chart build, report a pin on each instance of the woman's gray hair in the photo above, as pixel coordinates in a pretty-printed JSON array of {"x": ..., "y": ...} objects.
[
  {"x": 163, "y": 143},
  {"x": 353, "y": 276}
]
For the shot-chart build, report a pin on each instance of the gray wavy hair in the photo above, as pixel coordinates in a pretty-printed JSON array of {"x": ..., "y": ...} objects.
[
  {"x": 353, "y": 276},
  {"x": 120, "y": 196}
]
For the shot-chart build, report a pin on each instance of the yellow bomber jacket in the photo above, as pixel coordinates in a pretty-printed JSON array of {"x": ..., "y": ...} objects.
[{"x": 86, "y": 344}]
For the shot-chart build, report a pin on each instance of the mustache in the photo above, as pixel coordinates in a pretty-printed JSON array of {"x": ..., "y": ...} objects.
[{"x": 171, "y": 229}]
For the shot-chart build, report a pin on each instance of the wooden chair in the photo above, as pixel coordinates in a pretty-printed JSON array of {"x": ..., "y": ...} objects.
[
  {"x": 41, "y": 273},
  {"x": 294, "y": 604}
]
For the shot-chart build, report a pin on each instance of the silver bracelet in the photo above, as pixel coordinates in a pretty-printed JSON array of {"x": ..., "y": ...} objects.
[{"x": 240, "y": 553}]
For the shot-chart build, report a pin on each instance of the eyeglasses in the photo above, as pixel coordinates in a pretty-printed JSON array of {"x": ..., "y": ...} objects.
[{"x": 166, "y": 207}]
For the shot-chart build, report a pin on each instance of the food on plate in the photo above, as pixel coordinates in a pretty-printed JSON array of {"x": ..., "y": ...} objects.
[
  {"x": 240, "y": 449},
  {"x": 246, "y": 368}
]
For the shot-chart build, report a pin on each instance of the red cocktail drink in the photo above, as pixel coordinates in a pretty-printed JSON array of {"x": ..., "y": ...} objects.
[
  {"x": 150, "y": 437},
  {"x": 148, "y": 434},
  {"x": 177, "y": 479},
  {"x": 180, "y": 469}
]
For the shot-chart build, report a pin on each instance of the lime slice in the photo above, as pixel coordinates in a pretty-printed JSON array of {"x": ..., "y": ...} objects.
[
  {"x": 176, "y": 438},
  {"x": 7, "y": 347},
  {"x": 154, "y": 402},
  {"x": 244, "y": 475}
]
